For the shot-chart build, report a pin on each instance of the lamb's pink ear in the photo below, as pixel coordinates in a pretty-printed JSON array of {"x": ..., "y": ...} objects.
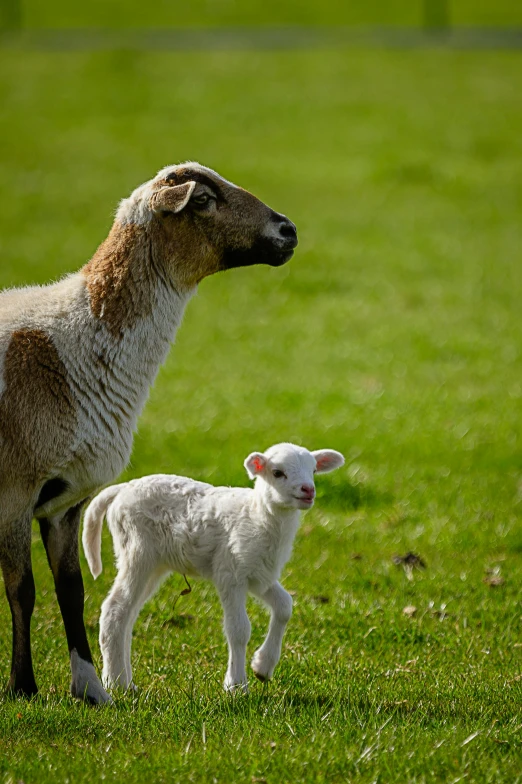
[
  {"x": 255, "y": 464},
  {"x": 172, "y": 198},
  {"x": 327, "y": 460}
]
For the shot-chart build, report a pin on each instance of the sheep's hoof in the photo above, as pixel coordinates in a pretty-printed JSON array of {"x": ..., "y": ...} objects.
[
  {"x": 95, "y": 700},
  {"x": 27, "y": 693},
  {"x": 93, "y": 696},
  {"x": 85, "y": 684},
  {"x": 261, "y": 677}
]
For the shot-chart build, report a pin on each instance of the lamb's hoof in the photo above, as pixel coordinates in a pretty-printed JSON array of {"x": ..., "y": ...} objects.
[
  {"x": 260, "y": 669},
  {"x": 236, "y": 688},
  {"x": 85, "y": 684},
  {"x": 121, "y": 688}
]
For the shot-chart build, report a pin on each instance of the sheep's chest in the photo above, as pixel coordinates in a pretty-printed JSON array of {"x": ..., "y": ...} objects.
[{"x": 111, "y": 381}]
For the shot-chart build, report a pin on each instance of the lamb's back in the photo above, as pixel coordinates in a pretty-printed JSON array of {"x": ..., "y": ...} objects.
[{"x": 161, "y": 496}]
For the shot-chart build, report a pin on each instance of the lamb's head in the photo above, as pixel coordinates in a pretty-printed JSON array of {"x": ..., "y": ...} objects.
[
  {"x": 200, "y": 223},
  {"x": 285, "y": 473}
]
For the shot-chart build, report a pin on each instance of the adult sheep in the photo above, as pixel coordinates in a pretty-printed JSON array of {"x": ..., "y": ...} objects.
[{"x": 77, "y": 359}]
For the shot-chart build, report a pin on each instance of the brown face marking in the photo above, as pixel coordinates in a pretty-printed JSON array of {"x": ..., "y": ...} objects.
[
  {"x": 178, "y": 247},
  {"x": 185, "y": 252},
  {"x": 246, "y": 214},
  {"x": 121, "y": 278},
  {"x": 37, "y": 409},
  {"x": 205, "y": 237}
]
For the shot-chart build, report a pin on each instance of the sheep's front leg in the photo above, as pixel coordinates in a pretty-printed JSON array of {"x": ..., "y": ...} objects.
[
  {"x": 237, "y": 631},
  {"x": 267, "y": 656},
  {"x": 61, "y": 545}
]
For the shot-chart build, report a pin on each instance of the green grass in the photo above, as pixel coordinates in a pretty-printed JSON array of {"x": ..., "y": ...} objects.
[
  {"x": 234, "y": 13},
  {"x": 394, "y": 336}
]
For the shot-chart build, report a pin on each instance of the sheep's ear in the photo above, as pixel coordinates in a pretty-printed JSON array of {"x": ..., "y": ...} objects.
[
  {"x": 255, "y": 464},
  {"x": 172, "y": 198},
  {"x": 327, "y": 460}
]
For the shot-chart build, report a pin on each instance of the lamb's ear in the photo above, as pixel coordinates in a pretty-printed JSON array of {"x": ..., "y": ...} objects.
[
  {"x": 255, "y": 464},
  {"x": 172, "y": 198},
  {"x": 327, "y": 460}
]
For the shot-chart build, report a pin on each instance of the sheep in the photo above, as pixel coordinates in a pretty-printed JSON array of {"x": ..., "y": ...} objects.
[
  {"x": 77, "y": 358},
  {"x": 238, "y": 538}
]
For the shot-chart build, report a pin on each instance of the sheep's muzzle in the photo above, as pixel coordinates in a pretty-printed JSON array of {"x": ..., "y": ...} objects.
[{"x": 274, "y": 248}]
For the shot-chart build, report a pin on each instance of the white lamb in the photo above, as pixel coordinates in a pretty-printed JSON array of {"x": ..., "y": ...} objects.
[{"x": 239, "y": 538}]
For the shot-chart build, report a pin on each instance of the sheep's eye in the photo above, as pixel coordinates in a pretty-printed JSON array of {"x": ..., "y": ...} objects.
[
  {"x": 278, "y": 474},
  {"x": 202, "y": 199}
]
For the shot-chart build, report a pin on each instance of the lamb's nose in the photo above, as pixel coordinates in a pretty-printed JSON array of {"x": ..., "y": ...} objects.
[{"x": 308, "y": 490}]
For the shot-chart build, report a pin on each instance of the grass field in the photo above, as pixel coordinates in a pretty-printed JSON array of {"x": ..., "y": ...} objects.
[
  {"x": 214, "y": 13},
  {"x": 395, "y": 336}
]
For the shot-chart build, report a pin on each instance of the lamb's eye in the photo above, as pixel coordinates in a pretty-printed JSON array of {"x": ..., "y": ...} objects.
[
  {"x": 202, "y": 199},
  {"x": 278, "y": 474}
]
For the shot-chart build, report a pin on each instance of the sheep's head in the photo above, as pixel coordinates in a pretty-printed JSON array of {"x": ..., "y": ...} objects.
[
  {"x": 285, "y": 473},
  {"x": 201, "y": 224}
]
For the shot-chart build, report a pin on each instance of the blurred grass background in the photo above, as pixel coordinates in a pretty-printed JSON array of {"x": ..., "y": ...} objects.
[
  {"x": 394, "y": 335},
  {"x": 216, "y": 13}
]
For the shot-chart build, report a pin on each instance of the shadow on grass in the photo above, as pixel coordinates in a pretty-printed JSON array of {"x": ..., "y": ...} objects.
[
  {"x": 422, "y": 708},
  {"x": 181, "y": 621},
  {"x": 342, "y": 496}
]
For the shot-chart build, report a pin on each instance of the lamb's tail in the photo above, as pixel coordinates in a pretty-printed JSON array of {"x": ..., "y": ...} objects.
[{"x": 92, "y": 526}]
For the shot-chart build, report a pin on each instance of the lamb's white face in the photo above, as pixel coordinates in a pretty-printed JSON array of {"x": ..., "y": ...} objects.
[{"x": 287, "y": 472}]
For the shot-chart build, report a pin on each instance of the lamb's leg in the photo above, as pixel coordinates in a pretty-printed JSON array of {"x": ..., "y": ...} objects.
[
  {"x": 267, "y": 656},
  {"x": 15, "y": 559},
  {"x": 119, "y": 612},
  {"x": 150, "y": 588},
  {"x": 61, "y": 545},
  {"x": 237, "y": 631}
]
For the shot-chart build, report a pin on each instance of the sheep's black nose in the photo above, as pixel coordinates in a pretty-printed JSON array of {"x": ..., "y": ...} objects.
[{"x": 287, "y": 229}]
